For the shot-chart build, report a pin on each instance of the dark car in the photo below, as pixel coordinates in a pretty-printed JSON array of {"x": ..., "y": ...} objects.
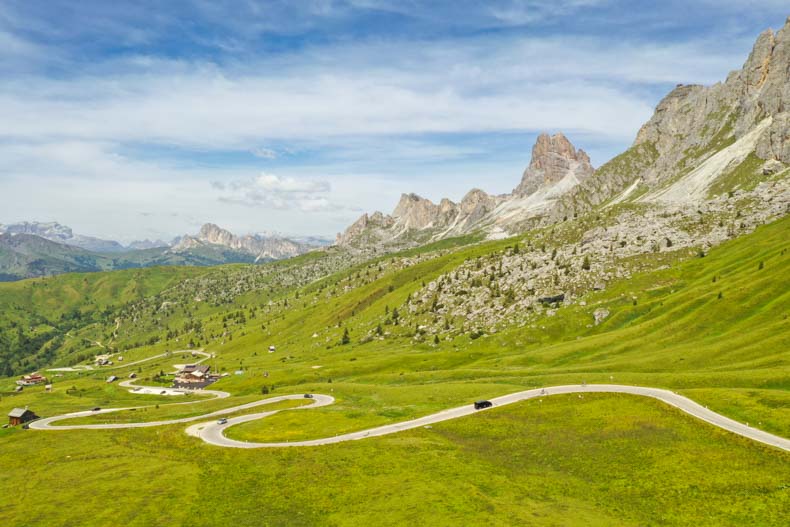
[
  {"x": 479, "y": 405},
  {"x": 96, "y": 409},
  {"x": 308, "y": 396}
]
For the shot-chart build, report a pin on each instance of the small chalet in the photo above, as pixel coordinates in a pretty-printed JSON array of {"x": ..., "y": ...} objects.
[
  {"x": 193, "y": 373},
  {"x": 194, "y": 376},
  {"x": 19, "y": 416},
  {"x": 32, "y": 380}
]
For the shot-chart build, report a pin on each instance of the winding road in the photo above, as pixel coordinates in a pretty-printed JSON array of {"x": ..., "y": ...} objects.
[
  {"x": 212, "y": 432},
  {"x": 126, "y": 365}
]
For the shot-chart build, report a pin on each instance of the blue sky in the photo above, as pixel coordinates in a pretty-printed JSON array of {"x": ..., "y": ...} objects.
[{"x": 146, "y": 119}]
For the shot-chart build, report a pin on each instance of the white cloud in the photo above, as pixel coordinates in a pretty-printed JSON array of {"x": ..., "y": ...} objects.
[
  {"x": 79, "y": 140},
  {"x": 264, "y": 153},
  {"x": 520, "y": 12},
  {"x": 285, "y": 193},
  {"x": 440, "y": 87}
]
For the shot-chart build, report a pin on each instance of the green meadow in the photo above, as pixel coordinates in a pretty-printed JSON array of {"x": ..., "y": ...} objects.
[{"x": 713, "y": 328}]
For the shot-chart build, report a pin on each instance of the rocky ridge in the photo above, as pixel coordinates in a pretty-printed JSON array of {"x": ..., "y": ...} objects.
[
  {"x": 565, "y": 262},
  {"x": 261, "y": 247},
  {"x": 556, "y": 166},
  {"x": 58, "y": 233},
  {"x": 554, "y": 158},
  {"x": 702, "y": 141}
]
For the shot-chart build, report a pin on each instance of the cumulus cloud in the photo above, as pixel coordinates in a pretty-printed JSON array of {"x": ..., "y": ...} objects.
[
  {"x": 434, "y": 103},
  {"x": 284, "y": 193}
]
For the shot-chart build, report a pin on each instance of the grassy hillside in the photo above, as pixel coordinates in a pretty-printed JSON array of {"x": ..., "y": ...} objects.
[
  {"x": 714, "y": 328},
  {"x": 39, "y": 314},
  {"x": 28, "y": 256}
]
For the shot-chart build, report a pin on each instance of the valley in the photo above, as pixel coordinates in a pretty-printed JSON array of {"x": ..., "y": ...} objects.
[{"x": 599, "y": 346}]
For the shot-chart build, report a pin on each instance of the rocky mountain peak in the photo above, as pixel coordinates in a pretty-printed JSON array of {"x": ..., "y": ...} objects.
[
  {"x": 212, "y": 233},
  {"x": 260, "y": 246},
  {"x": 53, "y": 231},
  {"x": 415, "y": 212},
  {"x": 697, "y": 137},
  {"x": 755, "y": 70},
  {"x": 553, "y": 159}
]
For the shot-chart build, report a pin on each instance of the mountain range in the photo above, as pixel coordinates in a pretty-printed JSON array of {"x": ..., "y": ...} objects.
[
  {"x": 701, "y": 142},
  {"x": 32, "y": 249}
]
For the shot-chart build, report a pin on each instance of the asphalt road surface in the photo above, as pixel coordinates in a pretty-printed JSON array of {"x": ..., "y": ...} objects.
[{"x": 212, "y": 432}]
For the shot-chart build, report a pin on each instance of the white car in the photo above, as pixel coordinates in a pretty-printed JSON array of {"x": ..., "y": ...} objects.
[{"x": 221, "y": 421}]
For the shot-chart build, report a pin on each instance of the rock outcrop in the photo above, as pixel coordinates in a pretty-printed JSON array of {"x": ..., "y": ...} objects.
[{"x": 554, "y": 158}]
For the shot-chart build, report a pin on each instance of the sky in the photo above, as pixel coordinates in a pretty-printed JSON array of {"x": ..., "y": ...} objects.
[{"x": 133, "y": 120}]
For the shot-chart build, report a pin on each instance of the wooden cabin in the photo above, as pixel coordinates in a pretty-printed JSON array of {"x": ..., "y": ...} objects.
[{"x": 19, "y": 416}]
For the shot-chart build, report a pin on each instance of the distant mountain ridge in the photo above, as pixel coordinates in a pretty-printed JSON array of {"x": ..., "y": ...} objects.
[
  {"x": 32, "y": 249},
  {"x": 56, "y": 232},
  {"x": 262, "y": 247}
]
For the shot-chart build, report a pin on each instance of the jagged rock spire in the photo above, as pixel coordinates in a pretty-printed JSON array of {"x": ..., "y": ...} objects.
[{"x": 553, "y": 158}]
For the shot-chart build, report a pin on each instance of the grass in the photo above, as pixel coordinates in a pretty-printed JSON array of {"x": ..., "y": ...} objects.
[{"x": 602, "y": 459}]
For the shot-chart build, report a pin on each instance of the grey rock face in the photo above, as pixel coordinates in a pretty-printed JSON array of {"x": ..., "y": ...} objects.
[
  {"x": 600, "y": 315},
  {"x": 692, "y": 123},
  {"x": 553, "y": 159},
  {"x": 415, "y": 212}
]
